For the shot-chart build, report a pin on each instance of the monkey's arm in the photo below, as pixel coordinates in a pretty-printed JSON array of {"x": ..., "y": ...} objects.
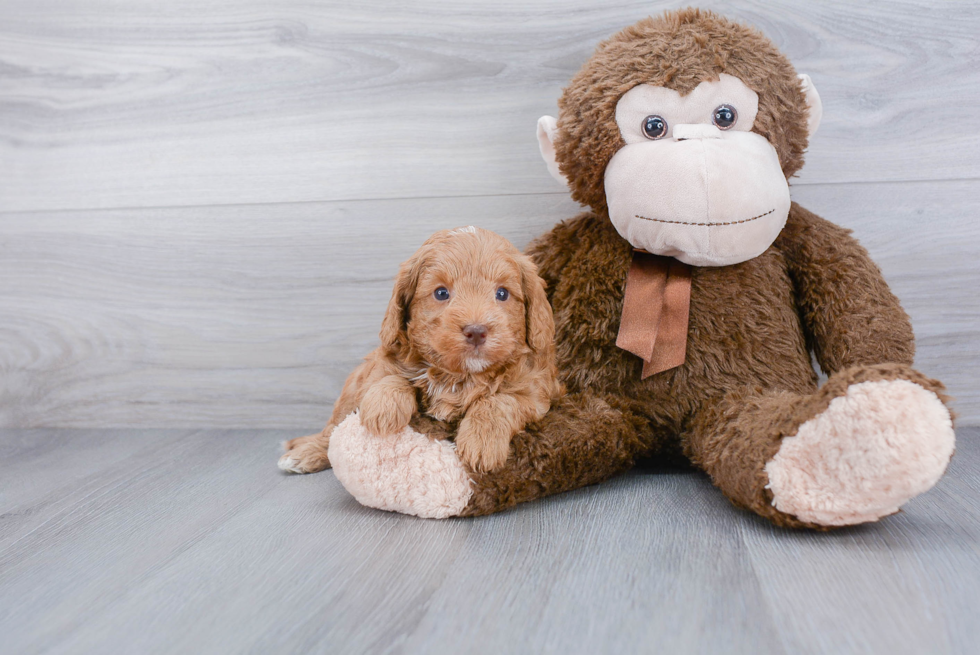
[
  {"x": 584, "y": 439},
  {"x": 849, "y": 314}
]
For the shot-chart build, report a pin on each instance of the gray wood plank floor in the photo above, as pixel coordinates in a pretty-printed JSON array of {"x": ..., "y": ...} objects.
[{"x": 180, "y": 541}]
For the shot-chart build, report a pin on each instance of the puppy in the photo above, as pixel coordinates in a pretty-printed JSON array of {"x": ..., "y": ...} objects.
[{"x": 468, "y": 336}]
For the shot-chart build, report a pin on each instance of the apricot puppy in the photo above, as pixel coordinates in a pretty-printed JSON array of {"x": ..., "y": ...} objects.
[{"x": 468, "y": 336}]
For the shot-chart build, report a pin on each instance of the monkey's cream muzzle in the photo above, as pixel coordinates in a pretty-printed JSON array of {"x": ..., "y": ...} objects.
[
  {"x": 706, "y": 196},
  {"x": 703, "y": 196}
]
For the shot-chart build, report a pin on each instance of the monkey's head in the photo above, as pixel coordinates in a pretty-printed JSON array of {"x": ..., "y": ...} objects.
[{"x": 684, "y": 130}]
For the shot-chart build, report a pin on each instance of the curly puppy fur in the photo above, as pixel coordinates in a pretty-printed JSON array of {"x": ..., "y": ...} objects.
[{"x": 487, "y": 386}]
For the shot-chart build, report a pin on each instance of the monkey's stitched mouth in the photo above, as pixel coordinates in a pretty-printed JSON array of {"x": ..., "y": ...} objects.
[{"x": 745, "y": 220}]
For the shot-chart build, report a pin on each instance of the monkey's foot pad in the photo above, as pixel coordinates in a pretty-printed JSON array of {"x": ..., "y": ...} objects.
[
  {"x": 405, "y": 472},
  {"x": 866, "y": 455}
]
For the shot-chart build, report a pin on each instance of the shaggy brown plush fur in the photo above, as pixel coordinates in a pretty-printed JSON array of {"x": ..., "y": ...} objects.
[
  {"x": 748, "y": 379},
  {"x": 679, "y": 51}
]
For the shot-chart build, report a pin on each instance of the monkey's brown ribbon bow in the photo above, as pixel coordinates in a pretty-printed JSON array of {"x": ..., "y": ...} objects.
[{"x": 656, "y": 309}]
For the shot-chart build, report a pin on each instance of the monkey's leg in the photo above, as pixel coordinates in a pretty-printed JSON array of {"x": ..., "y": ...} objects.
[
  {"x": 856, "y": 450},
  {"x": 583, "y": 440}
]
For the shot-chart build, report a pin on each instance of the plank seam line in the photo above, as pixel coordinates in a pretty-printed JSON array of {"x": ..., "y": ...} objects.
[{"x": 563, "y": 194}]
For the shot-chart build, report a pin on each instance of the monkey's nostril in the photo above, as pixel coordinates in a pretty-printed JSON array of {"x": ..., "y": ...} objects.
[{"x": 475, "y": 334}]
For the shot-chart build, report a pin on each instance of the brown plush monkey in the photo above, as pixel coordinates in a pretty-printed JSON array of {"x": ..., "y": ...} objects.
[{"x": 687, "y": 303}]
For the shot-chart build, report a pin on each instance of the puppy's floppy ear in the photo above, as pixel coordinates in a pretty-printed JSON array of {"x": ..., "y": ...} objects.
[
  {"x": 395, "y": 323},
  {"x": 540, "y": 323}
]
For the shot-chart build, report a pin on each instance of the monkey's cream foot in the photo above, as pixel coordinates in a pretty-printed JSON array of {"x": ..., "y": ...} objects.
[
  {"x": 405, "y": 472},
  {"x": 867, "y": 454},
  {"x": 305, "y": 454}
]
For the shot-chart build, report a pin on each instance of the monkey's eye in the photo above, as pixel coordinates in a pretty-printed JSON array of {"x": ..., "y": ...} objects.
[
  {"x": 502, "y": 294},
  {"x": 654, "y": 127},
  {"x": 724, "y": 117},
  {"x": 441, "y": 294}
]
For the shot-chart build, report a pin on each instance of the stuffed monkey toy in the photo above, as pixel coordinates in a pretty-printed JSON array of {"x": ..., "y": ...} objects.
[{"x": 687, "y": 303}]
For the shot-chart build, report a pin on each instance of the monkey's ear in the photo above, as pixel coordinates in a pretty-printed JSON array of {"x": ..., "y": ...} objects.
[
  {"x": 547, "y": 129},
  {"x": 395, "y": 322},
  {"x": 813, "y": 102}
]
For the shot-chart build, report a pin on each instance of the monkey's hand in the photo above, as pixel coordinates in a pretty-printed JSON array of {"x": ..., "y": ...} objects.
[{"x": 388, "y": 406}]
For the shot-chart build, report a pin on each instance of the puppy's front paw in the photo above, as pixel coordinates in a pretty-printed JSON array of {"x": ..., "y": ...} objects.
[
  {"x": 484, "y": 446},
  {"x": 386, "y": 411}
]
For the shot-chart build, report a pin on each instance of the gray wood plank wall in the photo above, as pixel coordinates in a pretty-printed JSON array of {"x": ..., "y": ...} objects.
[{"x": 202, "y": 203}]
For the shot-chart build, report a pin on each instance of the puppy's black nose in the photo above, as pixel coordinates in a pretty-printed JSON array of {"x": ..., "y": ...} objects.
[{"x": 475, "y": 334}]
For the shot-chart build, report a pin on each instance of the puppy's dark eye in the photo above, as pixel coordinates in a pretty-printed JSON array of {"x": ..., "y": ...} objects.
[
  {"x": 724, "y": 117},
  {"x": 654, "y": 127},
  {"x": 440, "y": 294},
  {"x": 503, "y": 294}
]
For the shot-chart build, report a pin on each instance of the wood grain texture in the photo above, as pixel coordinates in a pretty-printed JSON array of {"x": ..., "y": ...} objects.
[
  {"x": 220, "y": 316},
  {"x": 192, "y": 541},
  {"x": 253, "y": 316},
  {"x": 270, "y": 166},
  {"x": 186, "y": 103}
]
